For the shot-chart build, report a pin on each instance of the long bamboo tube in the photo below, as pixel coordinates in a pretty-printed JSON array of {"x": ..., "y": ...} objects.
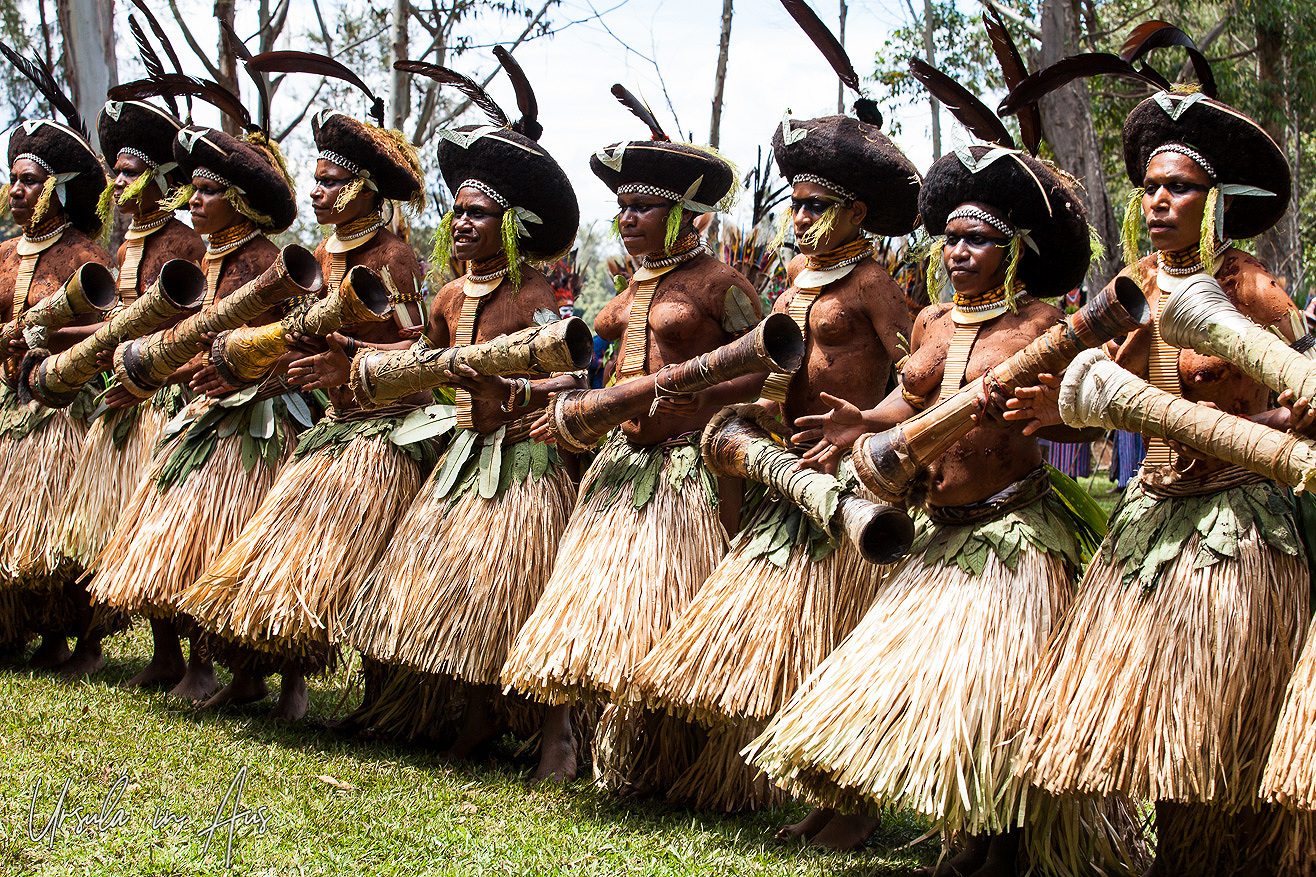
[
  {"x": 245, "y": 355},
  {"x": 54, "y": 381},
  {"x": 581, "y": 418},
  {"x": 383, "y": 376},
  {"x": 1097, "y": 392},
  {"x": 144, "y": 364},
  {"x": 90, "y": 290},
  {"x": 888, "y": 462},
  {"x": 737, "y": 447}
]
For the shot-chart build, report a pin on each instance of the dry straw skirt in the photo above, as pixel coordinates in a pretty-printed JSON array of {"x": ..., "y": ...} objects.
[
  {"x": 1290, "y": 776},
  {"x": 464, "y": 572},
  {"x": 644, "y": 536},
  {"x": 914, "y": 708},
  {"x": 280, "y": 587},
  {"x": 1166, "y": 680},
  {"x": 171, "y": 530}
]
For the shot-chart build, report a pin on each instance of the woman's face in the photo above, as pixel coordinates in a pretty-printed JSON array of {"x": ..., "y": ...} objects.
[
  {"x": 26, "y": 178},
  {"x": 127, "y": 168},
  {"x": 1173, "y": 201},
  {"x": 476, "y": 226},
  {"x": 329, "y": 182},
  {"x": 211, "y": 211},
  {"x": 975, "y": 255},
  {"x": 809, "y": 201},
  {"x": 642, "y": 221}
]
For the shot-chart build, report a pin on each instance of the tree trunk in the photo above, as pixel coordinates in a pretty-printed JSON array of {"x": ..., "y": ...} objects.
[
  {"x": 719, "y": 83},
  {"x": 1067, "y": 118},
  {"x": 228, "y": 66},
  {"x": 840, "y": 36},
  {"x": 930, "y": 53},
  {"x": 1279, "y": 248},
  {"x": 399, "y": 84},
  {"x": 89, "y": 63}
]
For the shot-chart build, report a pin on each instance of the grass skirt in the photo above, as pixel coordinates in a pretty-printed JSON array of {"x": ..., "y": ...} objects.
[
  {"x": 461, "y": 577},
  {"x": 35, "y": 477},
  {"x": 913, "y": 708},
  {"x": 281, "y": 585},
  {"x": 164, "y": 541},
  {"x": 1170, "y": 693},
  {"x": 622, "y": 576},
  {"x": 102, "y": 486},
  {"x": 1290, "y": 776}
]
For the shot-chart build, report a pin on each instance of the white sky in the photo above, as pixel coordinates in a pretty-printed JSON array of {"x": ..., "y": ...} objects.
[{"x": 772, "y": 66}]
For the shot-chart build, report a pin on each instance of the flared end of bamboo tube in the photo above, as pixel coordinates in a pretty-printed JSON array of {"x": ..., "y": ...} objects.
[
  {"x": 579, "y": 341},
  {"x": 782, "y": 341},
  {"x": 96, "y": 289},
  {"x": 182, "y": 283},
  {"x": 1131, "y": 300},
  {"x": 882, "y": 533},
  {"x": 302, "y": 270},
  {"x": 1190, "y": 312},
  {"x": 1082, "y": 390},
  {"x": 370, "y": 290}
]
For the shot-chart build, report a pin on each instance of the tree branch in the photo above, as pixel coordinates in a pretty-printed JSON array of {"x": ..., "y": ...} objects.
[
  {"x": 191, "y": 41},
  {"x": 1017, "y": 17},
  {"x": 301, "y": 115}
]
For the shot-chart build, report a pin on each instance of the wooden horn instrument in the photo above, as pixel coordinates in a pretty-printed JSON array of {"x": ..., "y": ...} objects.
[
  {"x": 144, "y": 364},
  {"x": 383, "y": 376},
  {"x": 1097, "y": 392},
  {"x": 55, "y": 380},
  {"x": 246, "y": 354},
  {"x": 89, "y": 290},
  {"x": 736, "y": 446},
  {"x": 1201, "y": 317},
  {"x": 581, "y": 418},
  {"x": 887, "y": 463}
]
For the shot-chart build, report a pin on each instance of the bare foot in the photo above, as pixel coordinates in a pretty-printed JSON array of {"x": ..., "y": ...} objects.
[
  {"x": 166, "y": 666},
  {"x": 480, "y": 723},
  {"x": 243, "y": 689},
  {"x": 845, "y": 832},
  {"x": 197, "y": 683},
  {"x": 87, "y": 658},
  {"x": 51, "y": 652},
  {"x": 807, "y": 827},
  {"x": 557, "y": 748},
  {"x": 293, "y": 698},
  {"x": 963, "y": 864}
]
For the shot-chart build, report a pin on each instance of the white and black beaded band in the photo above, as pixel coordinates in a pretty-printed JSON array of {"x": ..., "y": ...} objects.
[
  {"x": 206, "y": 173},
  {"x": 137, "y": 153},
  {"x": 995, "y": 222},
  {"x": 645, "y": 189},
  {"x": 334, "y": 158},
  {"x": 39, "y": 161},
  {"x": 826, "y": 184},
  {"x": 1302, "y": 345},
  {"x": 1185, "y": 151},
  {"x": 488, "y": 190}
]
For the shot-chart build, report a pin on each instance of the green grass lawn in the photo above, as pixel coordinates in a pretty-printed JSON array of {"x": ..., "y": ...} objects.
[{"x": 153, "y": 774}]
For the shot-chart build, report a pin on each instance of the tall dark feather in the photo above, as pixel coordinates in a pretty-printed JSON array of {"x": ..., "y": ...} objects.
[
  {"x": 636, "y": 106},
  {"x": 971, "y": 112},
  {"x": 45, "y": 82},
  {"x": 176, "y": 83},
  {"x": 464, "y": 84},
  {"x": 1065, "y": 71},
  {"x": 823, "y": 38},
  {"x": 1015, "y": 71},
  {"x": 1160, "y": 34},
  {"x": 165, "y": 44},
  {"x": 289, "y": 61},
  {"x": 243, "y": 54},
  {"x": 150, "y": 59},
  {"x": 528, "y": 124}
]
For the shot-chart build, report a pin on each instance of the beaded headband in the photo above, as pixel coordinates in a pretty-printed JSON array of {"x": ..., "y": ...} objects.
[
  {"x": 826, "y": 184},
  {"x": 334, "y": 158},
  {"x": 983, "y": 216},
  {"x": 137, "y": 153},
  {"x": 1184, "y": 151},
  {"x": 206, "y": 173},
  {"x": 39, "y": 161},
  {"x": 488, "y": 190},
  {"x": 642, "y": 189}
]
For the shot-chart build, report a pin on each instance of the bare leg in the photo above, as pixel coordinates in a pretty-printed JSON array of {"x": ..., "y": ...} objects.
[
  {"x": 557, "y": 747},
  {"x": 966, "y": 862},
  {"x": 479, "y": 723},
  {"x": 808, "y": 826},
  {"x": 52, "y": 651},
  {"x": 1002, "y": 855},
  {"x": 87, "y": 657},
  {"x": 166, "y": 666},
  {"x": 293, "y": 698},
  {"x": 846, "y": 831},
  {"x": 246, "y": 687},
  {"x": 199, "y": 680}
]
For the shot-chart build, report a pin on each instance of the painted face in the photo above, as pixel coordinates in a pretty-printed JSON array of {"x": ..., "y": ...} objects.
[
  {"x": 26, "y": 178},
  {"x": 476, "y": 226},
  {"x": 975, "y": 255},
  {"x": 127, "y": 169},
  {"x": 329, "y": 182},
  {"x": 809, "y": 201},
  {"x": 1173, "y": 201},
  {"x": 642, "y": 220},
  {"x": 211, "y": 211}
]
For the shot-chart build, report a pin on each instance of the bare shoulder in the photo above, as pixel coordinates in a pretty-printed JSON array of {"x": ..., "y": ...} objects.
[
  {"x": 1039, "y": 314},
  {"x": 397, "y": 253},
  {"x": 795, "y": 266},
  {"x": 1253, "y": 289},
  {"x": 715, "y": 276},
  {"x": 535, "y": 292},
  {"x": 81, "y": 248},
  {"x": 181, "y": 241}
]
